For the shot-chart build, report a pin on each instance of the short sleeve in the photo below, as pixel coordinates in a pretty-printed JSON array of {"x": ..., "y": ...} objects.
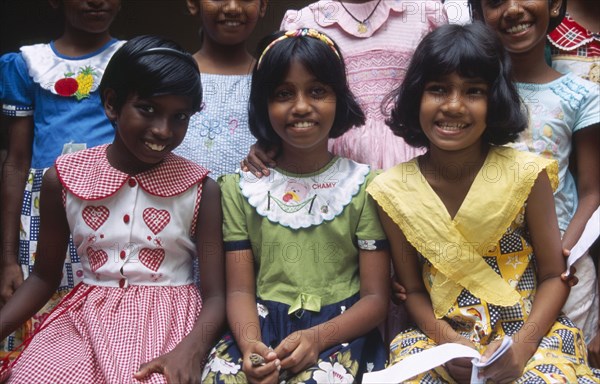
[
  {"x": 16, "y": 86},
  {"x": 369, "y": 233},
  {"x": 291, "y": 20},
  {"x": 589, "y": 109},
  {"x": 235, "y": 229}
]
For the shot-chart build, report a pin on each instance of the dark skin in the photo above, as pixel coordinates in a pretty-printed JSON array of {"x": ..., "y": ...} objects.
[{"x": 551, "y": 292}]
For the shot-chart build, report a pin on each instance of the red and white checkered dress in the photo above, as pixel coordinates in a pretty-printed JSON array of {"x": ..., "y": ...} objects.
[{"x": 138, "y": 299}]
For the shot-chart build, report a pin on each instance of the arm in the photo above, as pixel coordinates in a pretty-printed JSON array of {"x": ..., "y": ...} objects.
[
  {"x": 257, "y": 158},
  {"x": 184, "y": 363},
  {"x": 418, "y": 302},
  {"x": 551, "y": 292},
  {"x": 586, "y": 142},
  {"x": 14, "y": 178},
  {"x": 52, "y": 248},
  {"x": 301, "y": 349}
]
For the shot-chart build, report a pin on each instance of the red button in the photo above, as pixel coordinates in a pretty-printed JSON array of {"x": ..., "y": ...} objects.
[
  {"x": 122, "y": 255},
  {"x": 122, "y": 283},
  {"x": 126, "y": 219},
  {"x": 132, "y": 183}
]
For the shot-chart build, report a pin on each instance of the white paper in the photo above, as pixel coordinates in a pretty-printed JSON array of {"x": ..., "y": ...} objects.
[
  {"x": 429, "y": 359},
  {"x": 589, "y": 235}
]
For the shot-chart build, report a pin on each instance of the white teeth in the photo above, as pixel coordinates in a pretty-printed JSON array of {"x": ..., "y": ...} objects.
[
  {"x": 232, "y": 23},
  {"x": 155, "y": 147},
  {"x": 452, "y": 126},
  {"x": 518, "y": 28},
  {"x": 303, "y": 124}
]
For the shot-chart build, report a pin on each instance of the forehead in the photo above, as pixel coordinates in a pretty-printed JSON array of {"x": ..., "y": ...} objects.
[{"x": 298, "y": 72}]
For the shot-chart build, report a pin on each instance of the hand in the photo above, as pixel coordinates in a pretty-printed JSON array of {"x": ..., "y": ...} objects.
[
  {"x": 460, "y": 369},
  {"x": 261, "y": 374},
  {"x": 11, "y": 277},
  {"x": 256, "y": 160},
  {"x": 594, "y": 350},
  {"x": 398, "y": 292},
  {"x": 571, "y": 280},
  {"x": 508, "y": 367},
  {"x": 178, "y": 366},
  {"x": 298, "y": 351}
]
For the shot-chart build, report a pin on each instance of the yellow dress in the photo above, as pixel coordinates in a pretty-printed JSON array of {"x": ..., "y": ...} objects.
[{"x": 487, "y": 241}]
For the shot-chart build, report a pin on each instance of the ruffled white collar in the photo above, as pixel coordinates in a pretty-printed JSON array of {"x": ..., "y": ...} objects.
[
  {"x": 303, "y": 200},
  {"x": 67, "y": 76}
]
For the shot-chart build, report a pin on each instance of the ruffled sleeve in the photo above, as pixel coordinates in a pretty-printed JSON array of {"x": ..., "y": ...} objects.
[{"x": 16, "y": 86}]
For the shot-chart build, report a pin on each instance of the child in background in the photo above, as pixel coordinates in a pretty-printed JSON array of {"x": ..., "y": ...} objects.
[
  {"x": 575, "y": 42},
  {"x": 218, "y": 136},
  {"x": 564, "y": 122},
  {"x": 377, "y": 38},
  {"x": 307, "y": 268},
  {"x": 138, "y": 215},
  {"x": 49, "y": 95},
  {"x": 477, "y": 248}
]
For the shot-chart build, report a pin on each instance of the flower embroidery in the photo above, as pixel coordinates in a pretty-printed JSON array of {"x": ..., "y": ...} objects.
[
  {"x": 262, "y": 310},
  {"x": 335, "y": 373}
]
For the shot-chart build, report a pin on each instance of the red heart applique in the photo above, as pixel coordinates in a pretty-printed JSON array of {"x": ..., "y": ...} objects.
[
  {"x": 94, "y": 217},
  {"x": 97, "y": 258},
  {"x": 156, "y": 219},
  {"x": 152, "y": 258}
]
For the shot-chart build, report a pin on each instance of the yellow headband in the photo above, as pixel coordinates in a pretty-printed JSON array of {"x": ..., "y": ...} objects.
[{"x": 298, "y": 33}]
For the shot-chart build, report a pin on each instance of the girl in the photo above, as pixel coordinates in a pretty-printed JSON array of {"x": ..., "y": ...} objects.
[
  {"x": 138, "y": 215},
  {"x": 218, "y": 137},
  {"x": 564, "y": 123},
  {"x": 49, "y": 95},
  {"x": 307, "y": 274},
  {"x": 478, "y": 248},
  {"x": 377, "y": 39}
]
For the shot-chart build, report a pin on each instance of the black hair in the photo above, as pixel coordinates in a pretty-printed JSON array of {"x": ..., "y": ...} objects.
[
  {"x": 320, "y": 60},
  {"x": 477, "y": 13},
  {"x": 151, "y": 66},
  {"x": 474, "y": 51}
]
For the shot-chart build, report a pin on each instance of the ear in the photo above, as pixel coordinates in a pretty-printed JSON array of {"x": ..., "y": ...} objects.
[
  {"x": 193, "y": 7},
  {"x": 263, "y": 8},
  {"x": 555, "y": 7},
  {"x": 110, "y": 98}
]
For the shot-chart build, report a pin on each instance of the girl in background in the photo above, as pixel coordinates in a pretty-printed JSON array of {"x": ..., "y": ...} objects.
[
  {"x": 49, "y": 93},
  {"x": 471, "y": 224},
  {"x": 307, "y": 269},
  {"x": 138, "y": 215}
]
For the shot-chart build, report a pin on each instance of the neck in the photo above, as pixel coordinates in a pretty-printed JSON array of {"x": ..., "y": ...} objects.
[
  {"x": 78, "y": 43},
  {"x": 225, "y": 60},
  {"x": 303, "y": 161},
  {"x": 586, "y": 13},
  {"x": 531, "y": 66},
  {"x": 120, "y": 158},
  {"x": 454, "y": 165}
]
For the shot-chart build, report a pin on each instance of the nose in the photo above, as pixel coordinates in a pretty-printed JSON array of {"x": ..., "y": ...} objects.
[
  {"x": 162, "y": 130},
  {"x": 301, "y": 105},
  {"x": 514, "y": 9},
  {"x": 232, "y": 7},
  {"x": 453, "y": 104}
]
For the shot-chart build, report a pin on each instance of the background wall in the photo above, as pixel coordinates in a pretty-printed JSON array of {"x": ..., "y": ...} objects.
[{"x": 32, "y": 21}]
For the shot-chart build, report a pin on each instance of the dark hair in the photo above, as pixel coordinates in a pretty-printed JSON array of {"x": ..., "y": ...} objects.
[
  {"x": 320, "y": 60},
  {"x": 472, "y": 50},
  {"x": 152, "y": 66},
  {"x": 477, "y": 13}
]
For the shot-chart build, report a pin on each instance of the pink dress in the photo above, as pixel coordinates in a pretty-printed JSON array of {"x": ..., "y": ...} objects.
[
  {"x": 137, "y": 300},
  {"x": 376, "y": 59}
]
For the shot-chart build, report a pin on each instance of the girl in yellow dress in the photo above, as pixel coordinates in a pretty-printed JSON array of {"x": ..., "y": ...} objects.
[{"x": 471, "y": 224}]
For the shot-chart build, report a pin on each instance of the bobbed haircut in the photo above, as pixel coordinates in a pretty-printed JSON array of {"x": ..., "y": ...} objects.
[
  {"x": 151, "y": 66},
  {"x": 319, "y": 59},
  {"x": 472, "y": 51},
  {"x": 477, "y": 13}
]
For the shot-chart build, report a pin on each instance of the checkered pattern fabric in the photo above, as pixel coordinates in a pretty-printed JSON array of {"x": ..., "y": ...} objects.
[
  {"x": 571, "y": 37},
  {"x": 76, "y": 169}
]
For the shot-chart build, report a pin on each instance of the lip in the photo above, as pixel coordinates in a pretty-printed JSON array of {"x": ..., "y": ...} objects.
[
  {"x": 155, "y": 147},
  {"x": 451, "y": 128},
  {"x": 518, "y": 29},
  {"x": 232, "y": 23},
  {"x": 302, "y": 124}
]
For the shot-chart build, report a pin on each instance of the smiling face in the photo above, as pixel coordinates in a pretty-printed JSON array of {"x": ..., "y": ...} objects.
[
  {"x": 90, "y": 16},
  {"x": 521, "y": 24},
  {"x": 453, "y": 112},
  {"x": 148, "y": 129},
  {"x": 228, "y": 22},
  {"x": 302, "y": 109}
]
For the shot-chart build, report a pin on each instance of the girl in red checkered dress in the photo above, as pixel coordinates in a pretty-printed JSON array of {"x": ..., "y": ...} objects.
[{"x": 139, "y": 215}]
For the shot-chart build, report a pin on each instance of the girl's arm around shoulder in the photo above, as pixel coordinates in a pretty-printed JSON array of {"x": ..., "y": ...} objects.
[
  {"x": 184, "y": 363},
  {"x": 52, "y": 248},
  {"x": 586, "y": 142}
]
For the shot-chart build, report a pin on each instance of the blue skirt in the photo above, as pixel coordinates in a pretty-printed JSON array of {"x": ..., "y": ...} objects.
[{"x": 343, "y": 363}]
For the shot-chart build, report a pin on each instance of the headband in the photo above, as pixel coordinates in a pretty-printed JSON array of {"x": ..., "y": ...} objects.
[
  {"x": 167, "y": 51},
  {"x": 300, "y": 33}
]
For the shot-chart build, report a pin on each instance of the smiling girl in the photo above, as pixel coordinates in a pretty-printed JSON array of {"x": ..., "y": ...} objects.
[
  {"x": 471, "y": 223},
  {"x": 307, "y": 269}
]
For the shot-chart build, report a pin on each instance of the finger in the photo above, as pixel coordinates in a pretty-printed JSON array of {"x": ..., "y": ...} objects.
[
  {"x": 286, "y": 347},
  {"x": 148, "y": 368}
]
